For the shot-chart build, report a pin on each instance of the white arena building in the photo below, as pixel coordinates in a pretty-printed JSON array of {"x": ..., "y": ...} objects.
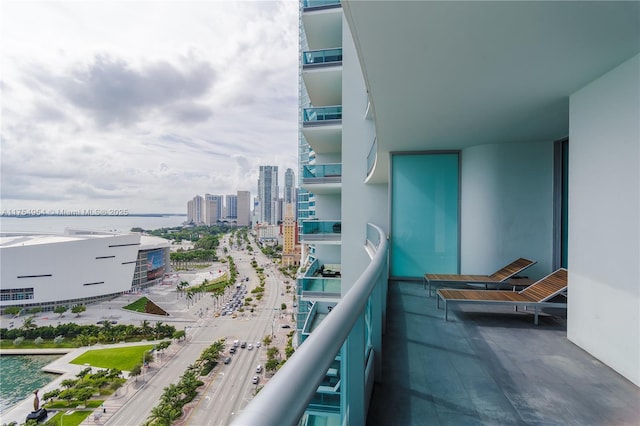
[{"x": 78, "y": 267}]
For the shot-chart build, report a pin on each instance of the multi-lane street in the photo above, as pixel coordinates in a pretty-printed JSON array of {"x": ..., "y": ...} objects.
[{"x": 230, "y": 387}]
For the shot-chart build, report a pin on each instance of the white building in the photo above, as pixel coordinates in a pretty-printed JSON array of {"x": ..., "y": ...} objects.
[{"x": 77, "y": 267}]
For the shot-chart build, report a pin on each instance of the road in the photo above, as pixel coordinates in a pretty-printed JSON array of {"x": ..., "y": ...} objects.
[{"x": 231, "y": 388}]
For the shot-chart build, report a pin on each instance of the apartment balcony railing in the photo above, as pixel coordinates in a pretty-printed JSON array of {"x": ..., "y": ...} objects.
[
  {"x": 285, "y": 398},
  {"x": 320, "y": 288},
  {"x": 314, "y": 230},
  {"x": 320, "y": 4},
  {"x": 320, "y": 116},
  {"x": 321, "y": 58},
  {"x": 322, "y": 173}
]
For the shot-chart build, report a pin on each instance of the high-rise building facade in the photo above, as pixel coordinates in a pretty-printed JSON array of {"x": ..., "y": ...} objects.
[
  {"x": 195, "y": 210},
  {"x": 456, "y": 155},
  {"x": 232, "y": 206},
  {"x": 244, "y": 208},
  {"x": 268, "y": 194}
]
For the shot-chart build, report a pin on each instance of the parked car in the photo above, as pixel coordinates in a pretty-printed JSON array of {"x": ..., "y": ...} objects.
[
  {"x": 227, "y": 360},
  {"x": 255, "y": 380},
  {"x": 285, "y": 326}
]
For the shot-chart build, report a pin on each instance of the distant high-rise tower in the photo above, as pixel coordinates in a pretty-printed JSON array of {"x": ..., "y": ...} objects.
[
  {"x": 195, "y": 210},
  {"x": 268, "y": 194},
  {"x": 219, "y": 200},
  {"x": 232, "y": 206},
  {"x": 289, "y": 187},
  {"x": 244, "y": 208}
]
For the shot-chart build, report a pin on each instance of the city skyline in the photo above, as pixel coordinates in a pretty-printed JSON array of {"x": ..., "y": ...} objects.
[{"x": 85, "y": 126}]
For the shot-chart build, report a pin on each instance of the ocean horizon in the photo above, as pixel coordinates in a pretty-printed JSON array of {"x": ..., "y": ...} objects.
[{"x": 57, "y": 224}]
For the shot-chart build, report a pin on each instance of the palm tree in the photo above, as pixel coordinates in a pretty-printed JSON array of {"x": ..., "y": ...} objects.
[
  {"x": 163, "y": 415},
  {"x": 136, "y": 371},
  {"x": 28, "y": 323},
  {"x": 145, "y": 328}
]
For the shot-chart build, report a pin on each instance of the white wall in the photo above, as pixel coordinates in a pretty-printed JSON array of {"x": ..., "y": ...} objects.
[
  {"x": 604, "y": 230},
  {"x": 507, "y": 207},
  {"x": 360, "y": 203}
]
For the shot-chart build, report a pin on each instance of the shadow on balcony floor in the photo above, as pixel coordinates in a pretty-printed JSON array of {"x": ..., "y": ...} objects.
[{"x": 490, "y": 366}]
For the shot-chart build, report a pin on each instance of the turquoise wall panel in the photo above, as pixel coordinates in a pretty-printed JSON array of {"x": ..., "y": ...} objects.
[{"x": 424, "y": 214}]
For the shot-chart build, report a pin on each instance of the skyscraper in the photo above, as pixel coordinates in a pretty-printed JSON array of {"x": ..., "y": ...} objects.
[
  {"x": 244, "y": 208},
  {"x": 268, "y": 194},
  {"x": 232, "y": 206}
]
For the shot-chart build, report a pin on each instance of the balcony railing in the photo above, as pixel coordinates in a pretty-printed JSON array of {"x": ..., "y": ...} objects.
[
  {"x": 321, "y": 230},
  {"x": 322, "y": 115},
  {"x": 318, "y": 287},
  {"x": 320, "y": 4},
  {"x": 322, "y": 173},
  {"x": 323, "y": 57},
  {"x": 285, "y": 398}
]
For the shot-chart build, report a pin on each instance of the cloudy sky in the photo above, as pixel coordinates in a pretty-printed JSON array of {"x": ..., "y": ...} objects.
[{"x": 141, "y": 105}]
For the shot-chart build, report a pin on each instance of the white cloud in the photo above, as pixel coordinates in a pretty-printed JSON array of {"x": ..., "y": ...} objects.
[{"x": 142, "y": 105}]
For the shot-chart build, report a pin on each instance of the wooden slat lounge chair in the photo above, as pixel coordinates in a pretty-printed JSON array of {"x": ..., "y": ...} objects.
[
  {"x": 536, "y": 295},
  {"x": 500, "y": 276}
]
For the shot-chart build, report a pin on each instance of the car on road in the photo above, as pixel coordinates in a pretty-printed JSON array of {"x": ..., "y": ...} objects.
[
  {"x": 259, "y": 369},
  {"x": 227, "y": 360},
  {"x": 232, "y": 350},
  {"x": 258, "y": 344},
  {"x": 243, "y": 345},
  {"x": 255, "y": 380},
  {"x": 249, "y": 346}
]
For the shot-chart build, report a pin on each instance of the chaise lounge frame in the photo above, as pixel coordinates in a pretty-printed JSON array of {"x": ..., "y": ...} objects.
[
  {"x": 537, "y": 295},
  {"x": 501, "y": 276}
]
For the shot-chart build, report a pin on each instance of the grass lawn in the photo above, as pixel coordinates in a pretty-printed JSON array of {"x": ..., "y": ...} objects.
[
  {"x": 121, "y": 358},
  {"x": 138, "y": 305},
  {"x": 73, "y": 419}
]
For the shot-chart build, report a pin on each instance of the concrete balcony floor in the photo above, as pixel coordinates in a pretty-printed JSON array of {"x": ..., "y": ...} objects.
[{"x": 490, "y": 366}]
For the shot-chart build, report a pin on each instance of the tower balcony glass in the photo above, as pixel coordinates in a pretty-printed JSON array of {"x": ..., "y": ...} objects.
[
  {"x": 320, "y": 4},
  {"x": 322, "y": 178},
  {"x": 319, "y": 116},
  {"x": 317, "y": 231},
  {"x": 321, "y": 58},
  {"x": 320, "y": 288}
]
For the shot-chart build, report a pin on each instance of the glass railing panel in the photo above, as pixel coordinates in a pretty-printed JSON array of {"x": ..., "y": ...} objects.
[
  {"x": 321, "y": 285},
  {"x": 308, "y": 4},
  {"x": 314, "y": 227},
  {"x": 317, "y": 171},
  {"x": 320, "y": 57},
  {"x": 322, "y": 114}
]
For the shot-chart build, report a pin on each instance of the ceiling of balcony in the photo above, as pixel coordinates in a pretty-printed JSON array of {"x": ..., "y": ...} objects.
[
  {"x": 323, "y": 28},
  {"x": 448, "y": 75}
]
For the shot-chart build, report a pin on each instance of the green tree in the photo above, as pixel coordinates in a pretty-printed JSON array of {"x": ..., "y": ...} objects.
[
  {"x": 28, "y": 324},
  {"x": 179, "y": 335},
  {"x": 267, "y": 340},
  {"x": 272, "y": 365},
  {"x": 78, "y": 309},
  {"x": 60, "y": 310},
  {"x": 136, "y": 371},
  {"x": 273, "y": 352},
  {"x": 12, "y": 310}
]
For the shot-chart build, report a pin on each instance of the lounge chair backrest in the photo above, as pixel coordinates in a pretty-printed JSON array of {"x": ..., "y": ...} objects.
[
  {"x": 548, "y": 287},
  {"x": 511, "y": 269}
]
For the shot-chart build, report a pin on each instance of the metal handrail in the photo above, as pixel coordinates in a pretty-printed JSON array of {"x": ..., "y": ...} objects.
[{"x": 285, "y": 398}]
